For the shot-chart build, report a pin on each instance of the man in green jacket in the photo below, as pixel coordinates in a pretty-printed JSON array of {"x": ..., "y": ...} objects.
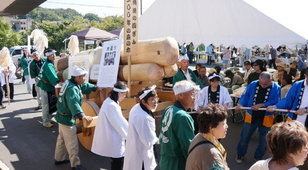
[
  {"x": 177, "y": 127},
  {"x": 184, "y": 73},
  {"x": 69, "y": 108},
  {"x": 25, "y": 63},
  {"x": 35, "y": 67},
  {"x": 48, "y": 79}
]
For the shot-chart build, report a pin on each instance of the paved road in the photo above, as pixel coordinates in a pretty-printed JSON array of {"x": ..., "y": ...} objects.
[{"x": 27, "y": 145}]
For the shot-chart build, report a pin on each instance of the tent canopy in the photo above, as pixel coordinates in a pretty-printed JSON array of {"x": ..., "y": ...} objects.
[
  {"x": 214, "y": 21},
  {"x": 116, "y": 31},
  {"x": 93, "y": 34}
]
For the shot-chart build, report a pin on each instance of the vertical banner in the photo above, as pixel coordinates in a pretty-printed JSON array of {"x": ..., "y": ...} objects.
[
  {"x": 109, "y": 66},
  {"x": 131, "y": 8}
]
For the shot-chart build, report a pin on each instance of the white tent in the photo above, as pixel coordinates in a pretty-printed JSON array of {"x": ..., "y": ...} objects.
[{"x": 214, "y": 21}]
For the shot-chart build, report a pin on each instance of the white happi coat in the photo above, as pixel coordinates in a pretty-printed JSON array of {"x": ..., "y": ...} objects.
[
  {"x": 12, "y": 68},
  {"x": 110, "y": 131},
  {"x": 202, "y": 97},
  {"x": 140, "y": 140}
]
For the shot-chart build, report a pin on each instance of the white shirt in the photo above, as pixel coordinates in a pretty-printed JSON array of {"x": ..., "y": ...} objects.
[
  {"x": 12, "y": 68},
  {"x": 187, "y": 75},
  {"x": 202, "y": 97},
  {"x": 263, "y": 165},
  {"x": 110, "y": 131},
  {"x": 140, "y": 140},
  {"x": 304, "y": 103},
  {"x": 246, "y": 74}
]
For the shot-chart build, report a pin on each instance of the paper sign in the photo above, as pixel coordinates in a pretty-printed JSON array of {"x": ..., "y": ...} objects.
[{"x": 109, "y": 66}]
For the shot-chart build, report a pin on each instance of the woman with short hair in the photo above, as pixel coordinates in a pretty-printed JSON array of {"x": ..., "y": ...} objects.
[
  {"x": 205, "y": 150},
  {"x": 287, "y": 146}
]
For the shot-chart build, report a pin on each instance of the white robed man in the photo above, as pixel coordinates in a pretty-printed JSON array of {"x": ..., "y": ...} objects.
[
  {"x": 141, "y": 137},
  {"x": 111, "y": 128}
]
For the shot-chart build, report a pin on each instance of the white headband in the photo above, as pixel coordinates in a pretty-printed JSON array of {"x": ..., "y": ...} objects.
[
  {"x": 50, "y": 53},
  {"x": 146, "y": 92},
  {"x": 120, "y": 90},
  {"x": 213, "y": 76},
  {"x": 185, "y": 89},
  {"x": 35, "y": 52}
]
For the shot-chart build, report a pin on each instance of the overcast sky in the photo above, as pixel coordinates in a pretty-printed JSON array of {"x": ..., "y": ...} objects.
[{"x": 290, "y": 13}]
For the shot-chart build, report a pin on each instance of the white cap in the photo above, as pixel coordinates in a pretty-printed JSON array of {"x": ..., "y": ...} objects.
[
  {"x": 183, "y": 58},
  {"x": 184, "y": 86},
  {"x": 77, "y": 71}
]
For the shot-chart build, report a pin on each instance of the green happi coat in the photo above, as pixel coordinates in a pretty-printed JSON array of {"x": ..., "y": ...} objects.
[
  {"x": 180, "y": 76},
  {"x": 70, "y": 100},
  {"x": 177, "y": 131},
  {"x": 34, "y": 67},
  {"x": 48, "y": 77},
  {"x": 24, "y": 63}
]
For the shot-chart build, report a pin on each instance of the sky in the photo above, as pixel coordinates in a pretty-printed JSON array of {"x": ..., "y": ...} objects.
[{"x": 290, "y": 13}]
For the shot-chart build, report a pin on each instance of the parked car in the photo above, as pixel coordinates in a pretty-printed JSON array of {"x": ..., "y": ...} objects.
[{"x": 16, "y": 52}]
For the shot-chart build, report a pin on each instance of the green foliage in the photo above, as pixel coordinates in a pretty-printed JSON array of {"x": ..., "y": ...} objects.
[
  {"x": 57, "y": 23},
  {"x": 109, "y": 23},
  {"x": 8, "y": 37},
  {"x": 56, "y": 32},
  {"x": 92, "y": 17},
  {"x": 45, "y": 14}
]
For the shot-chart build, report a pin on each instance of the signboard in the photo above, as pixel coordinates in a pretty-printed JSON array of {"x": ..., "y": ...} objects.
[
  {"x": 109, "y": 66},
  {"x": 81, "y": 61},
  {"x": 130, "y": 26}
]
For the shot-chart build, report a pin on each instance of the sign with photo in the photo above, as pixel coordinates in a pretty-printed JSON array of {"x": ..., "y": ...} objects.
[{"x": 109, "y": 66}]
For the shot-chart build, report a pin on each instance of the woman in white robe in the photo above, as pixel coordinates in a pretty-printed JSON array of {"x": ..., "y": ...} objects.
[
  {"x": 10, "y": 72},
  {"x": 111, "y": 128},
  {"x": 139, "y": 153},
  {"x": 214, "y": 93}
]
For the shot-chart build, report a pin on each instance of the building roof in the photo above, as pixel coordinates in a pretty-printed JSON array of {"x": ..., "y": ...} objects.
[{"x": 18, "y": 7}]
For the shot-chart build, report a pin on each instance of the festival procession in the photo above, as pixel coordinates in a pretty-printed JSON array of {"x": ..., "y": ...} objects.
[{"x": 149, "y": 99}]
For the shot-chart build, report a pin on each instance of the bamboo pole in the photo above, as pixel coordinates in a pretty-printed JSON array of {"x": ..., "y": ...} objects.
[{"x": 8, "y": 87}]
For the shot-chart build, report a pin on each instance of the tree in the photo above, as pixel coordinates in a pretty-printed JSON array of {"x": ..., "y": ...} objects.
[
  {"x": 92, "y": 17},
  {"x": 8, "y": 37},
  {"x": 56, "y": 32},
  {"x": 109, "y": 23}
]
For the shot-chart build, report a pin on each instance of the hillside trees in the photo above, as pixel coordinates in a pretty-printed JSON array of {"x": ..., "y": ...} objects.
[{"x": 8, "y": 37}]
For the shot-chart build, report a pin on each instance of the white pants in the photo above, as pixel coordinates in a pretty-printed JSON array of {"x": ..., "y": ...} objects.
[
  {"x": 45, "y": 108},
  {"x": 29, "y": 89},
  {"x": 38, "y": 92},
  {"x": 67, "y": 144}
]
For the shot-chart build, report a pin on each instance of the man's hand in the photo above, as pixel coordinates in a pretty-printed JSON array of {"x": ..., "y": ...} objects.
[
  {"x": 300, "y": 111},
  {"x": 87, "y": 118},
  {"x": 238, "y": 107},
  {"x": 257, "y": 106},
  {"x": 271, "y": 108}
]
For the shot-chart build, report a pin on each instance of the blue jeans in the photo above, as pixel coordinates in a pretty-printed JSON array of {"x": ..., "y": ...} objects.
[{"x": 247, "y": 131}]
